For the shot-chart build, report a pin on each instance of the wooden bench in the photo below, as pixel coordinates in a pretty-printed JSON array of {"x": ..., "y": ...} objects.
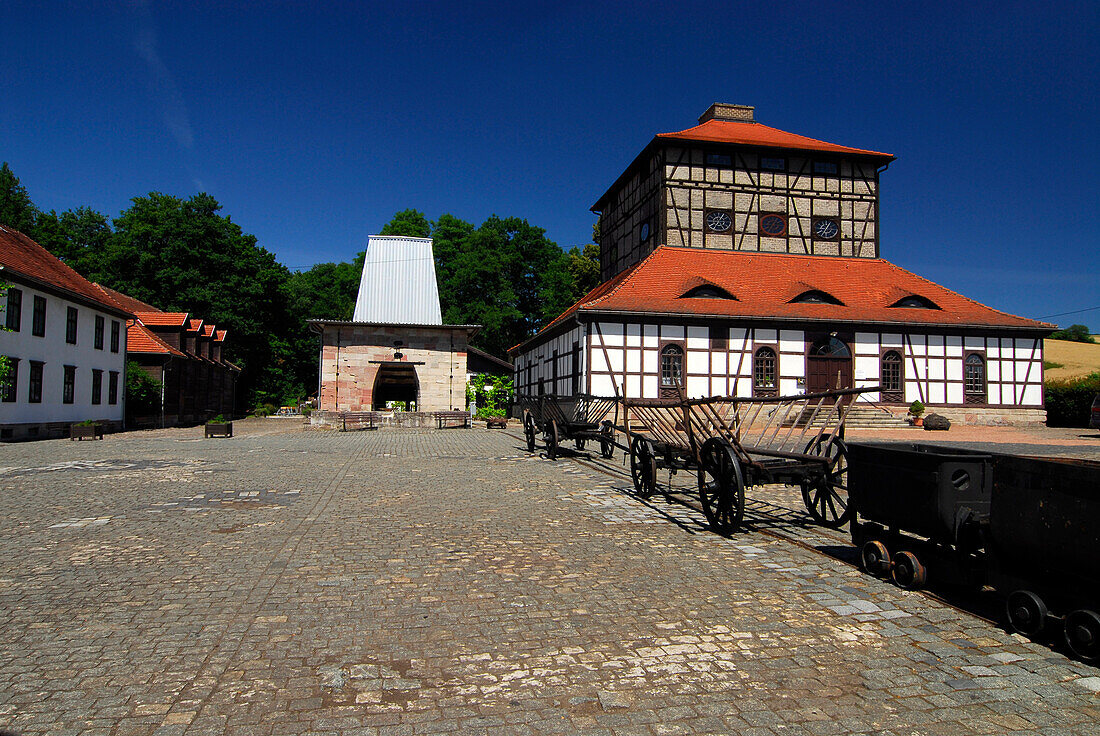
[
  {"x": 452, "y": 419},
  {"x": 359, "y": 420}
]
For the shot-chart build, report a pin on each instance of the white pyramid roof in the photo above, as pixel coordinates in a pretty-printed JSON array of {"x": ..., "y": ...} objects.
[{"x": 398, "y": 283}]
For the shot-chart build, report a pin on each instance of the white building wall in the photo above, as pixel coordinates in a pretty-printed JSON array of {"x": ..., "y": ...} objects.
[
  {"x": 55, "y": 354},
  {"x": 624, "y": 359}
]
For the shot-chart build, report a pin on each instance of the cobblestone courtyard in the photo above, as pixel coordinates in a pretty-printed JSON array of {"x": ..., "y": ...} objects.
[{"x": 404, "y": 582}]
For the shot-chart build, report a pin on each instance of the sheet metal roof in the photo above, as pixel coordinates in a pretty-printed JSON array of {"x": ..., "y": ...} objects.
[{"x": 398, "y": 282}]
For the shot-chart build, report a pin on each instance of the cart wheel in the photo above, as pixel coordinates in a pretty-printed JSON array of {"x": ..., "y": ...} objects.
[
  {"x": 908, "y": 571},
  {"x": 721, "y": 485},
  {"x": 643, "y": 467},
  {"x": 550, "y": 436},
  {"x": 1027, "y": 614},
  {"x": 607, "y": 441},
  {"x": 529, "y": 431},
  {"x": 579, "y": 443},
  {"x": 874, "y": 558},
  {"x": 1083, "y": 635},
  {"x": 827, "y": 501}
]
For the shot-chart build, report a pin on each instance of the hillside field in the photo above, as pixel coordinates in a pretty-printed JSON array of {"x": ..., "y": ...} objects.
[{"x": 1077, "y": 358}]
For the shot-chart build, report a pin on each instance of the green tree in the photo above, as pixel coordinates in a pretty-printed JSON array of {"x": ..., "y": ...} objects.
[
  {"x": 1073, "y": 333},
  {"x": 584, "y": 270},
  {"x": 183, "y": 256},
  {"x": 79, "y": 237},
  {"x": 409, "y": 223},
  {"x": 142, "y": 390},
  {"x": 16, "y": 209}
]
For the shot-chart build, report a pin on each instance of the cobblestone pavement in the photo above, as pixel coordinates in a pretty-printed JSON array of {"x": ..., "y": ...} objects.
[{"x": 427, "y": 582}]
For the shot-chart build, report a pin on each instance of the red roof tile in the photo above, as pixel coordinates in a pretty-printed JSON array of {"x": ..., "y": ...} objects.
[
  {"x": 22, "y": 256},
  {"x": 755, "y": 134},
  {"x": 764, "y": 284},
  {"x": 208, "y": 330},
  {"x": 125, "y": 301},
  {"x": 219, "y": 336},
  {"x": 162, "y": 319},
  {"x": 140, "y": 339},
  {"x": 195, "y": 325}
]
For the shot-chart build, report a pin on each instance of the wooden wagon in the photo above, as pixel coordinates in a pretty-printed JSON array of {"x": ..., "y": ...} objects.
[
  {"x": 732, "y": 443},
  {"x": 579, "y": 418}
]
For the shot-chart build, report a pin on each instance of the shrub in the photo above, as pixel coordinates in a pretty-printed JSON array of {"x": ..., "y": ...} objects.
[
  {"x": 306, "y": 411},
  {"x": 1073, "y": 333},
  {"x": 916, "y": 408},
  {"x": 217, "y": 420},
  {"x": 490, "y": 394},
  {"x": 1069, "y": 400},
  {"x": 142, "y": 390}
]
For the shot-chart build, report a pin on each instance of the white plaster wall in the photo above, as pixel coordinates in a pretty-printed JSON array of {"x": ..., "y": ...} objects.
[{"x": 55, "y": 353}]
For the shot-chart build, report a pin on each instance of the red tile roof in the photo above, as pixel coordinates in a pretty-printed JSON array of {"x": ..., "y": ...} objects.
[
  {"x": 755, "y": 134},
  {"x": 764, "y": 284},
  {"x": 21, "y": 256},
  {"x": 195, "y": 325},
  {"x": 208, "y": 330},
  {"x": 162, "y": 319},
  {"x": 140, "y": 339},
  {"x": 219, "y": 336},
  {"x": 125, "y": 301}
]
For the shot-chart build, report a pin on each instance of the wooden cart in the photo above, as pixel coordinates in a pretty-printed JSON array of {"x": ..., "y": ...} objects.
[
  {"x": 580, "y": 418},
  {"x": 732, "y": 443}
]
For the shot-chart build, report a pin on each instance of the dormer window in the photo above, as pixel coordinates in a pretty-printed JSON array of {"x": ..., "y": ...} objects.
[
  {"x": 708, "y": 291},
  {"x": 814, "y": 296},
  {"x": 915, "y": 302}
]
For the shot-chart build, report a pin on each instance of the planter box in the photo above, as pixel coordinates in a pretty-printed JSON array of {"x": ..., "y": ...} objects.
[
  {"x": 496, "y": 422},
  {"x": 85, "y": 432},
  {"x": 219, "y": 429}
]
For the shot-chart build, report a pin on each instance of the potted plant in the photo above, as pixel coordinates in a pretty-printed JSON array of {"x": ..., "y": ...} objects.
[
  {"x": 88, "y": 429},
  {"x": 219, "y": 426},
  {"x": 916, "y": 409}
]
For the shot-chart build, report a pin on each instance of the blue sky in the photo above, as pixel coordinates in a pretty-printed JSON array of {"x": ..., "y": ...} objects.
[{"x": 313, "y": 126}]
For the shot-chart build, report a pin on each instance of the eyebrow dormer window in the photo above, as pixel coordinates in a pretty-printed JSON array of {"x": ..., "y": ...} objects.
[
  {"x": 708, "y": 291},
  {"x": 816, "y": 297},
  {"x": 915, "y": 302}
]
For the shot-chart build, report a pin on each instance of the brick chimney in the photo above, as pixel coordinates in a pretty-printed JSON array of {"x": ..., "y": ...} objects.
[{"x": 726, "y": 111}]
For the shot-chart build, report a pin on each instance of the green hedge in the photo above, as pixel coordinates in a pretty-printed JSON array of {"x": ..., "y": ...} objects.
[{"x": 1069, "y": 401}]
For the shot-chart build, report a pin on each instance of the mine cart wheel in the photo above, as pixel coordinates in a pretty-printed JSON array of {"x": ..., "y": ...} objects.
[
  {"x": 529, "y": 431},
  {"x": 874, "y": 558},
  {"x": 827, "y": 500},
  {"x": 643, "y": 467},
  {"x": 908, "y": 571},
  {"x": 1027, "y": 614},
  {"x": 1083, "y": 635},
  {"x": 721, "y": 485},
  {"x": 551, "y": 437},
  {"x": 579, "y": 443},
  {"x": 607, "y": 441}
]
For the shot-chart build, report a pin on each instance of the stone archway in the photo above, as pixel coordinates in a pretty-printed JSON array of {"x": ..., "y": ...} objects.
[{"x": 396, "y": 381}]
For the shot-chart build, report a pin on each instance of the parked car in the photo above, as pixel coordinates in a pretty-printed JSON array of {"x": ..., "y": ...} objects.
[{"x": 1094, "y": 419}]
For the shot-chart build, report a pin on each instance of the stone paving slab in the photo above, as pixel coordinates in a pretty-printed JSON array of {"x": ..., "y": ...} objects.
[{"x": 422, "y": 582}]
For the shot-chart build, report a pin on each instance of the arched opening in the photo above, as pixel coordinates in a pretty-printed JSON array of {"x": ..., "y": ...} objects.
[
  {"x": 672, "y": 370},
  {"x": 828, "y": 365},
  {"x": 974, "y": 379},
  {"x": 892, "y": 373},
  {"x": 764, "y": 377},
  {"x": 396, "y": 385}
]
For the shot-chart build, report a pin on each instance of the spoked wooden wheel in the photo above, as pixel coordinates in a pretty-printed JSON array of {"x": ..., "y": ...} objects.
[
  {"x": 607, "y": 441},
  {"x": 643, "y": 467},
  {"x": 827, "y": 500},
  {"x": 551, "y": 438},
  {"x": 1027, "y": 614},
  {"x": 721, "y": 485},
  {"x": 1083, "y": 635},
  {"x": 529, "y": 431}
]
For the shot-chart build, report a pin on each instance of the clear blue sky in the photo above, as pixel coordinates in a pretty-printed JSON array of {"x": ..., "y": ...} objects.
[{"x": 313, "y": 126}]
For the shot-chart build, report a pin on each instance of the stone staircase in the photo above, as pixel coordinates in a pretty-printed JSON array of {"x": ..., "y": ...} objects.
[{"x": 863, "y": 416}]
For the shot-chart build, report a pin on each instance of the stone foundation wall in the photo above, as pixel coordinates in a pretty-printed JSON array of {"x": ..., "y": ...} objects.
[
  {"x": 331, "y": 419},
  {"x": 991, "y": 416},
  {"x": 47, "y": 430},
  {"x": 351, "y": 355}
]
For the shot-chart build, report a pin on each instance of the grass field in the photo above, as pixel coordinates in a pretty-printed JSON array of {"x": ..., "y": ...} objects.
[{"x": 1077, "y": 358}]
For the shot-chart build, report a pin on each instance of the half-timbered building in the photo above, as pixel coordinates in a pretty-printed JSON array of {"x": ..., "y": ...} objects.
[{"x": 743, "y": 260}]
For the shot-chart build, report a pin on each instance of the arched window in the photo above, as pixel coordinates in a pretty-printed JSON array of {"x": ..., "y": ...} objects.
[
  {"x": 891, "y": 376},
  {"x": 830, "y": 347},
  {"x": 915, "y": 301},
  {"x": 708, "y": 291},
  {"x": 763, "y": 372},
  {"x": 815, "y": 296},
  {"x": 672, "y": 366},
  {"x": 974, "y": 379}
]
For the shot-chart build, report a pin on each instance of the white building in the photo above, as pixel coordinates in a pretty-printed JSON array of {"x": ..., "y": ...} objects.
[{"x": 66, "y": 341}]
